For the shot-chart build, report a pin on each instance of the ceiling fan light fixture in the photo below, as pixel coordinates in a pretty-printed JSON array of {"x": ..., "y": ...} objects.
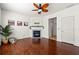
[{"x": 39, "y": 10}]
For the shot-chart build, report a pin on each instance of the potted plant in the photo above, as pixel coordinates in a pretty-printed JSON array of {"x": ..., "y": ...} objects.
[{"x": 5, "y": 32}]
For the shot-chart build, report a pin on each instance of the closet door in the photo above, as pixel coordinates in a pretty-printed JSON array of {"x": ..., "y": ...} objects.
[{"x": 67, "y": 29}]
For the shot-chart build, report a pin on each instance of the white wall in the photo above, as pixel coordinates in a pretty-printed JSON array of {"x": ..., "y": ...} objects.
[
  {"x": 0, "y": 16},
  {"x": 22, "y": 31},
  {"x": 19, "y": 31},
  {"x": 73, "y": 11},
  {"x": 0, "y": 24}
]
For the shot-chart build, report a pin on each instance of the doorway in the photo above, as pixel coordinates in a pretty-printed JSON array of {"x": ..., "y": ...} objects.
[{"x": 53, "y": 28}]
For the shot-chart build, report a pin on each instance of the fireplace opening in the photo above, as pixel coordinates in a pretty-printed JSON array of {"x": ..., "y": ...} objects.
[
  {"x": 36, "y": 36},
  {"x": 36, "y": 33}
]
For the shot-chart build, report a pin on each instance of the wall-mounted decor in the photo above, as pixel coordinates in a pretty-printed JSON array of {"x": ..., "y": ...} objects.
[
  {"x": 19, "y": 23},
  {"x": 36, "y": 23},
  {"x": 11, "y": 22},
  {"x": 25, "y": 23}
]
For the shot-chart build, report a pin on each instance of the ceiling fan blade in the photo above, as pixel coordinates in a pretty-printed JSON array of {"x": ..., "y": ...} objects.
[
  {"x": 44, "y": 10},
  {"x": 36, "y": 5},
  {"x": 35, "y": 10},
  {"x": 45, "y": 5}
]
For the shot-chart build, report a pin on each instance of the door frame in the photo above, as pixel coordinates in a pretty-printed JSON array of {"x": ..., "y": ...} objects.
[{"x": 49, "y": 27}]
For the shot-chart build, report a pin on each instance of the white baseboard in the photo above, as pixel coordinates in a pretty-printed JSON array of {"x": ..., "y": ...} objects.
[{"x": 75, "y": 44}]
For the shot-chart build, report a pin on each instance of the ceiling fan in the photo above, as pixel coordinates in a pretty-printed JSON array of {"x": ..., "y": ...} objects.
[{"x": 41, "y": 8}]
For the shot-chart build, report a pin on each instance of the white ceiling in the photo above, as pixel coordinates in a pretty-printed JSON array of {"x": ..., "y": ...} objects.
[{"x": 26, "y": 8}]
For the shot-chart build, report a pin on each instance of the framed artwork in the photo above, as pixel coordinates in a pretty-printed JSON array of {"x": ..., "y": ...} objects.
[
  {"x": 25, "y": 23},
  {"x": 11, "y": 22},
  {"x": 19, "y": 23}
]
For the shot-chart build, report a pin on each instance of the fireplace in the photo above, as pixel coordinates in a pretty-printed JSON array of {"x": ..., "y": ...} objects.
[
  {"x": 36, "y": 33},
  {"x": 36, "y": 36}
]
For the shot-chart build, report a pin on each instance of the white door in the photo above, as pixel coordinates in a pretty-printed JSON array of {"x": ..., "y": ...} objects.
[{"x": 67, "y": 29}]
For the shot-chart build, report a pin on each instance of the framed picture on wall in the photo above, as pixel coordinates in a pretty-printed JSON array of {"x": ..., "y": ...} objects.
[
  {"x": 25, "y": 23},
  {"x": 11, "y": 22},
  {"x": 19, "y": 23}
]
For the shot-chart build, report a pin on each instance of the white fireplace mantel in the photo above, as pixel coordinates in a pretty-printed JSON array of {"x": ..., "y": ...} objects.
[{"x": 36, "y": 27}]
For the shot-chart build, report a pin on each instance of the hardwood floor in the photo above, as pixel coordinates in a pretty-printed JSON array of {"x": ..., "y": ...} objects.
[{"x": 43, "y": 46}]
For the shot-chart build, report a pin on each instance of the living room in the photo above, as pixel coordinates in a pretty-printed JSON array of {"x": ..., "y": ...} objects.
[{"x": 27, "y": 24}]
